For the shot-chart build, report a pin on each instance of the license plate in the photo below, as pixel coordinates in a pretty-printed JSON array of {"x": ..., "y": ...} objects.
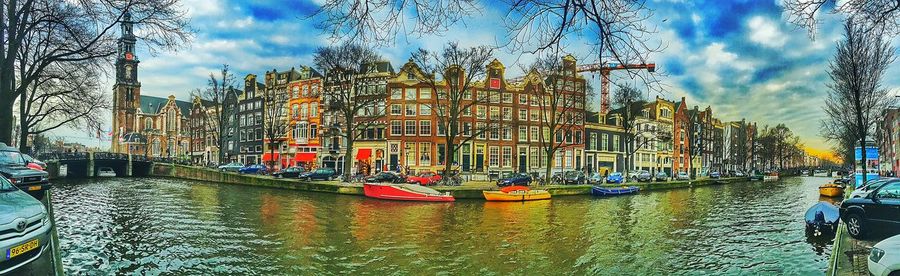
[
  {"x": 21, "y": 249},
  {"x": 34, "y": 188}
]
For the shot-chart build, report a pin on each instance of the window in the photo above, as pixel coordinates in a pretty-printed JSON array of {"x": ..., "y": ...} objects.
[
  {"x": 523, "y": 99},
  {"x": 507, "y": 157},
  {"x": 410, "y": 109},
  {"x": 494, "y": 97},
  {"x": 424, "y": 154},
  {"x": 507, "y": 97},
  {"x": 578, "y": 137},
  {"x": 410, "y": 151},
  {"x": 441, "y": 130},
  {"x": 425, "y": 128},
  {"x": 568, "y": 136},
  {"x": 494, "y": 156},
  {"x": 411, "y": 127},
  {"x": 604, "y": 142},
  {"x": 481, "y": 114},
  {"x": 148, "y": 123},
  {"x": 425, "y": 93},
  {"x": 314, "y": 110},
  {"x": 507, "y": 113},
  {"x": 535, "y": 115},
  {"x": 396, "y": 128},
  {"x": 507, "y": 133},
  {"x": 313, "y": 131},
  {"x": 466, "y": 112},
  {"x": 615, "y": 145},
  {"x": 295, "y": 91},
  {"x": 495, "y": 132},
  {"x": 156, "y": 147},
  {"x": 396, "y": 109},
  {"x": 593, "y": 142},
  {"x": 534, "y": 158},
  {"x": 424, "y": 110},
  {"x": 467, "y": 129},
  {"x": 558, "y": 159},
  {"x": 523, "y": 134},
  {"x": 303, "y": 110},
  {"x": 523, "y": 114},
  {"x": 535, "y": 134},
  {"x": 396, "y": 94},
  {"x": 302, "y": 130},
  {"x": 495, "y": 113},
  {"x": 569, "y": 159},
  {"x": 467, "y": 95},
  {"x": 479, "y": 127},
  {"x": 410, "y": 94}
]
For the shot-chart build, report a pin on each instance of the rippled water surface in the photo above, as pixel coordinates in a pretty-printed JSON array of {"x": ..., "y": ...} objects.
[{"x": 153, "y": 226}]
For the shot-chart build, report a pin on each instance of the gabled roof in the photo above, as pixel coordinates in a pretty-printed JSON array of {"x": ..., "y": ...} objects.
[
  {"x": 152, "y": 105},
  {"x": 377, "y": 67}
]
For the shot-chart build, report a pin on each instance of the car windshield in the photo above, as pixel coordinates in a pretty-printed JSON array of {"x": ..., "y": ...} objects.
[
  {"x": 510, "y": 175},
  {"x": 615, "y": 174},
  {"x": 8, "y": 157},
  {"x": 572, "y": 173},
  {"x": 6, "y": 186}
]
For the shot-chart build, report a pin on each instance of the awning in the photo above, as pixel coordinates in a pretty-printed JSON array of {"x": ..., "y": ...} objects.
[
  {"x": 268, "y": 157},
  {"x": 363, "y": 154},
  {"x": 305, "y": 156}
]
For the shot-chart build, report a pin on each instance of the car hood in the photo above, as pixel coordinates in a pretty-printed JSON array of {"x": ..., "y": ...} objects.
[
  {"x": 891, "y": 244},
  {"x": 21, "y": 171},
  {"x": 18, "y": 204}
]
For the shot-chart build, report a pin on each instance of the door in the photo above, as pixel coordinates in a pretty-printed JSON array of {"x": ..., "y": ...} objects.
[
  {"x": 479, "y": 158},
  {"x": 466, "y": 157},
  {"x": 394, "y": 162},
  {"x": 887, "y": 205},
  {"x": 522, "y": 165}
]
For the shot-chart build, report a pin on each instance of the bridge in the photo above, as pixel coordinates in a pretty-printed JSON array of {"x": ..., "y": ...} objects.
[{"x": 86, "y": 164}]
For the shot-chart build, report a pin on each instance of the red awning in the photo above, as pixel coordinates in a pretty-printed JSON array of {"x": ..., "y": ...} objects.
[
  {"x": 363, "y": 154},
  {"x": 268, "y": 157},
  {"x": 305, "y": 156}
]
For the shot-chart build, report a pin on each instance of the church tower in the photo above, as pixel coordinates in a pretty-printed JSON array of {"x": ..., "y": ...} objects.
[{"x": 127, "y": 89}]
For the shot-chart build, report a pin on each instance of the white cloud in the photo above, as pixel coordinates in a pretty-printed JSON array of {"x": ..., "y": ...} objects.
[{"x": 765, "y": 32}]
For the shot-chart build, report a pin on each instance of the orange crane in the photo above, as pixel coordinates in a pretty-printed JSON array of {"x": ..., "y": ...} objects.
[{"x": 604, "y": 70}]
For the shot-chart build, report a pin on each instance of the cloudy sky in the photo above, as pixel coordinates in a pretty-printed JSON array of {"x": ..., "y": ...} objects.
[{"x": 739, "y": 56}]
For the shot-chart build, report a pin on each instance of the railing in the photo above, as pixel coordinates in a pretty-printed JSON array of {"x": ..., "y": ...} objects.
[{"x": 63, "y": 156}]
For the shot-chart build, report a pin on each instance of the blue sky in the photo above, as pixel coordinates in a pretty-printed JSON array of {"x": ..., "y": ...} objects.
[{"x": 741, "y": 57}]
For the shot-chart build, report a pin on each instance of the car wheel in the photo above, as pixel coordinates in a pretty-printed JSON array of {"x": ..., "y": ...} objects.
[
  {"x": 855, "y": 226},
  {"x": 308, "y": 179}
]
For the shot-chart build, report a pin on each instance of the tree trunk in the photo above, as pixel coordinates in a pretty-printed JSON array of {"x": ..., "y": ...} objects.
[
  {"x": 550, "y": 158},
  {"x": 23, "y": 125},
  {"x": 348, "y": 153}
]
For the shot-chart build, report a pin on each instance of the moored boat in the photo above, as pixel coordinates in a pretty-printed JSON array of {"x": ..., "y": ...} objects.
[
  {"x": 516, "y": 193},
  {"x": 772, "y": 176},
  {"x": 821, "y": 218},
  {"x": 600, "y": 191},
  {"x": 831, "y": 190},
  {"x": 406, "y": 192}
]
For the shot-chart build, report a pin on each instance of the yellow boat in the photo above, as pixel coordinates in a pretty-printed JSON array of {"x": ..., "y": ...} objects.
[
  {"x": 831, "y": 190},
  {"x": 516, "y": 194}
]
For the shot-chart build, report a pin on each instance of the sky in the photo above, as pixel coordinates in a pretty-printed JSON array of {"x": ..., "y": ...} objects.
[{"x": 741, "y": 57}]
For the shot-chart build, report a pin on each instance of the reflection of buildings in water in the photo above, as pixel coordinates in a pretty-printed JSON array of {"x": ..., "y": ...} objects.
[
  {"x": 304, "y": 226},
  {"x": 269, "y": 208},
  {"x": 375, "y": 221},
  {"x": 207, "y": 198},
  {"x": 833, "y": 200}
]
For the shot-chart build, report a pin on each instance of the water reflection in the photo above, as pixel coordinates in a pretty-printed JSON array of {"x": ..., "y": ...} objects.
[{"x": 150, "y": 226}]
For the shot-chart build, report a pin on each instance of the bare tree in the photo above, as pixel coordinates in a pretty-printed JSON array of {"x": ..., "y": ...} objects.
[
  {"x": 275, "y": 121},
  {"x": 856, "y": 97},
  {"x": 343, "y": 66},
  {"x": 213, "y": 99},
  {"x": 629, "y": 112},
  {"x": 380, "y": 21},
  {"x": 561, "y": 98},
  {"x": 877, "y": 14},
  {"x": 460, "y": 70},
  {"x": 79, "y": 31}
]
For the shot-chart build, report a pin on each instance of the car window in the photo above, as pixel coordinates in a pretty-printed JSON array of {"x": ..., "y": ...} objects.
[
  {"x": 5, "y": 185},
  {"x": 891, "y": 191},
  {"x": 11, "y": 157}
]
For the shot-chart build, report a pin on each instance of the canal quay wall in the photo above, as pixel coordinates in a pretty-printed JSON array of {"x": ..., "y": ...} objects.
[{"x": 460, "y": 192}]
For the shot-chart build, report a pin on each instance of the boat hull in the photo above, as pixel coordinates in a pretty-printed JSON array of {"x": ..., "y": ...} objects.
[
  {"x": 770, "y": 178},
  {"x": 516, "y": 195},
  {"x": 831, "y": 190},
  {"x": 393, "y": 192},
  {"x": 821, "y": 219},
  {"x": 598, "y": 191}
]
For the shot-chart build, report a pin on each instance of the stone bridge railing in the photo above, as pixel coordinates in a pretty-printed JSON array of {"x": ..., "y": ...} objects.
[{"x": 69, "y": 156}]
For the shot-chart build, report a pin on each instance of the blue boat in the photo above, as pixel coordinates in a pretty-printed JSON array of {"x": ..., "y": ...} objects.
[
  {"x": 822, "y": 219},
  {"x": 598, "y": 191}
]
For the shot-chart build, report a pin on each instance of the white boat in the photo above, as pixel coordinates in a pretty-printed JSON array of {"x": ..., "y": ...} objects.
[
  {"x": 106, "y": 172},
  {"x": 772, "y": 176},
  {"x": 820, "y": 173}
]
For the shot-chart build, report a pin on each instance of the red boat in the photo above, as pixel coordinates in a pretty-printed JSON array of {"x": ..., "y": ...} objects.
[{"x": 408, "y": 192}]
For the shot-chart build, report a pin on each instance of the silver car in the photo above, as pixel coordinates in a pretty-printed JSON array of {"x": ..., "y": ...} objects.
[{"x": 24, "y": 228}]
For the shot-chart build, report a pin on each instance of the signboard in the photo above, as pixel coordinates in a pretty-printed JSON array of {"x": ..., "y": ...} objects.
[
  {"x": 495, "y": 83},
  {"x": 871, "y": 159}
]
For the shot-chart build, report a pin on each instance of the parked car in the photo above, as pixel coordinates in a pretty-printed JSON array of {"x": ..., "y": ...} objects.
[
  {"x": 13, "y": 167},
  {"x": 386, "y": 177},
  {"x": 574, "y": 177},
  {"x": 424, "y": 178},
  {"x": 682, "y": 176},
  {"x": 106, "y": 172},
  {"x": 870, "y": 186},
  {"x": 739, "y": 174},
  {"x": 289, "y": 172},
  {"x": 878, "y": 209},
  {"x": 661, "y": 176},
  {"x": 615, "y": 177},
  {"x": 715, "y": 175},
  {"x": 34, "y": 163},
  {"x": 319, "y": 174},
  {"x": 884, "y": 259},
  {"x": 595, "y": 179},
  {"x": 514, "y": 179},
  {"x": 231, "y": 167},
  {"x": 641, "y": 176},
  {"x": 25, "y": 225},
  {"x": 256, "y": 169}
]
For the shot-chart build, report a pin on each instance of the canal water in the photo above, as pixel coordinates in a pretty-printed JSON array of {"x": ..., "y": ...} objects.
[{"x": 166, "y": 226}]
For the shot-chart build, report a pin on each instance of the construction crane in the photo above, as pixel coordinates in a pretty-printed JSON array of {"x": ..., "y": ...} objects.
[{"x": 604, "y": 70}]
